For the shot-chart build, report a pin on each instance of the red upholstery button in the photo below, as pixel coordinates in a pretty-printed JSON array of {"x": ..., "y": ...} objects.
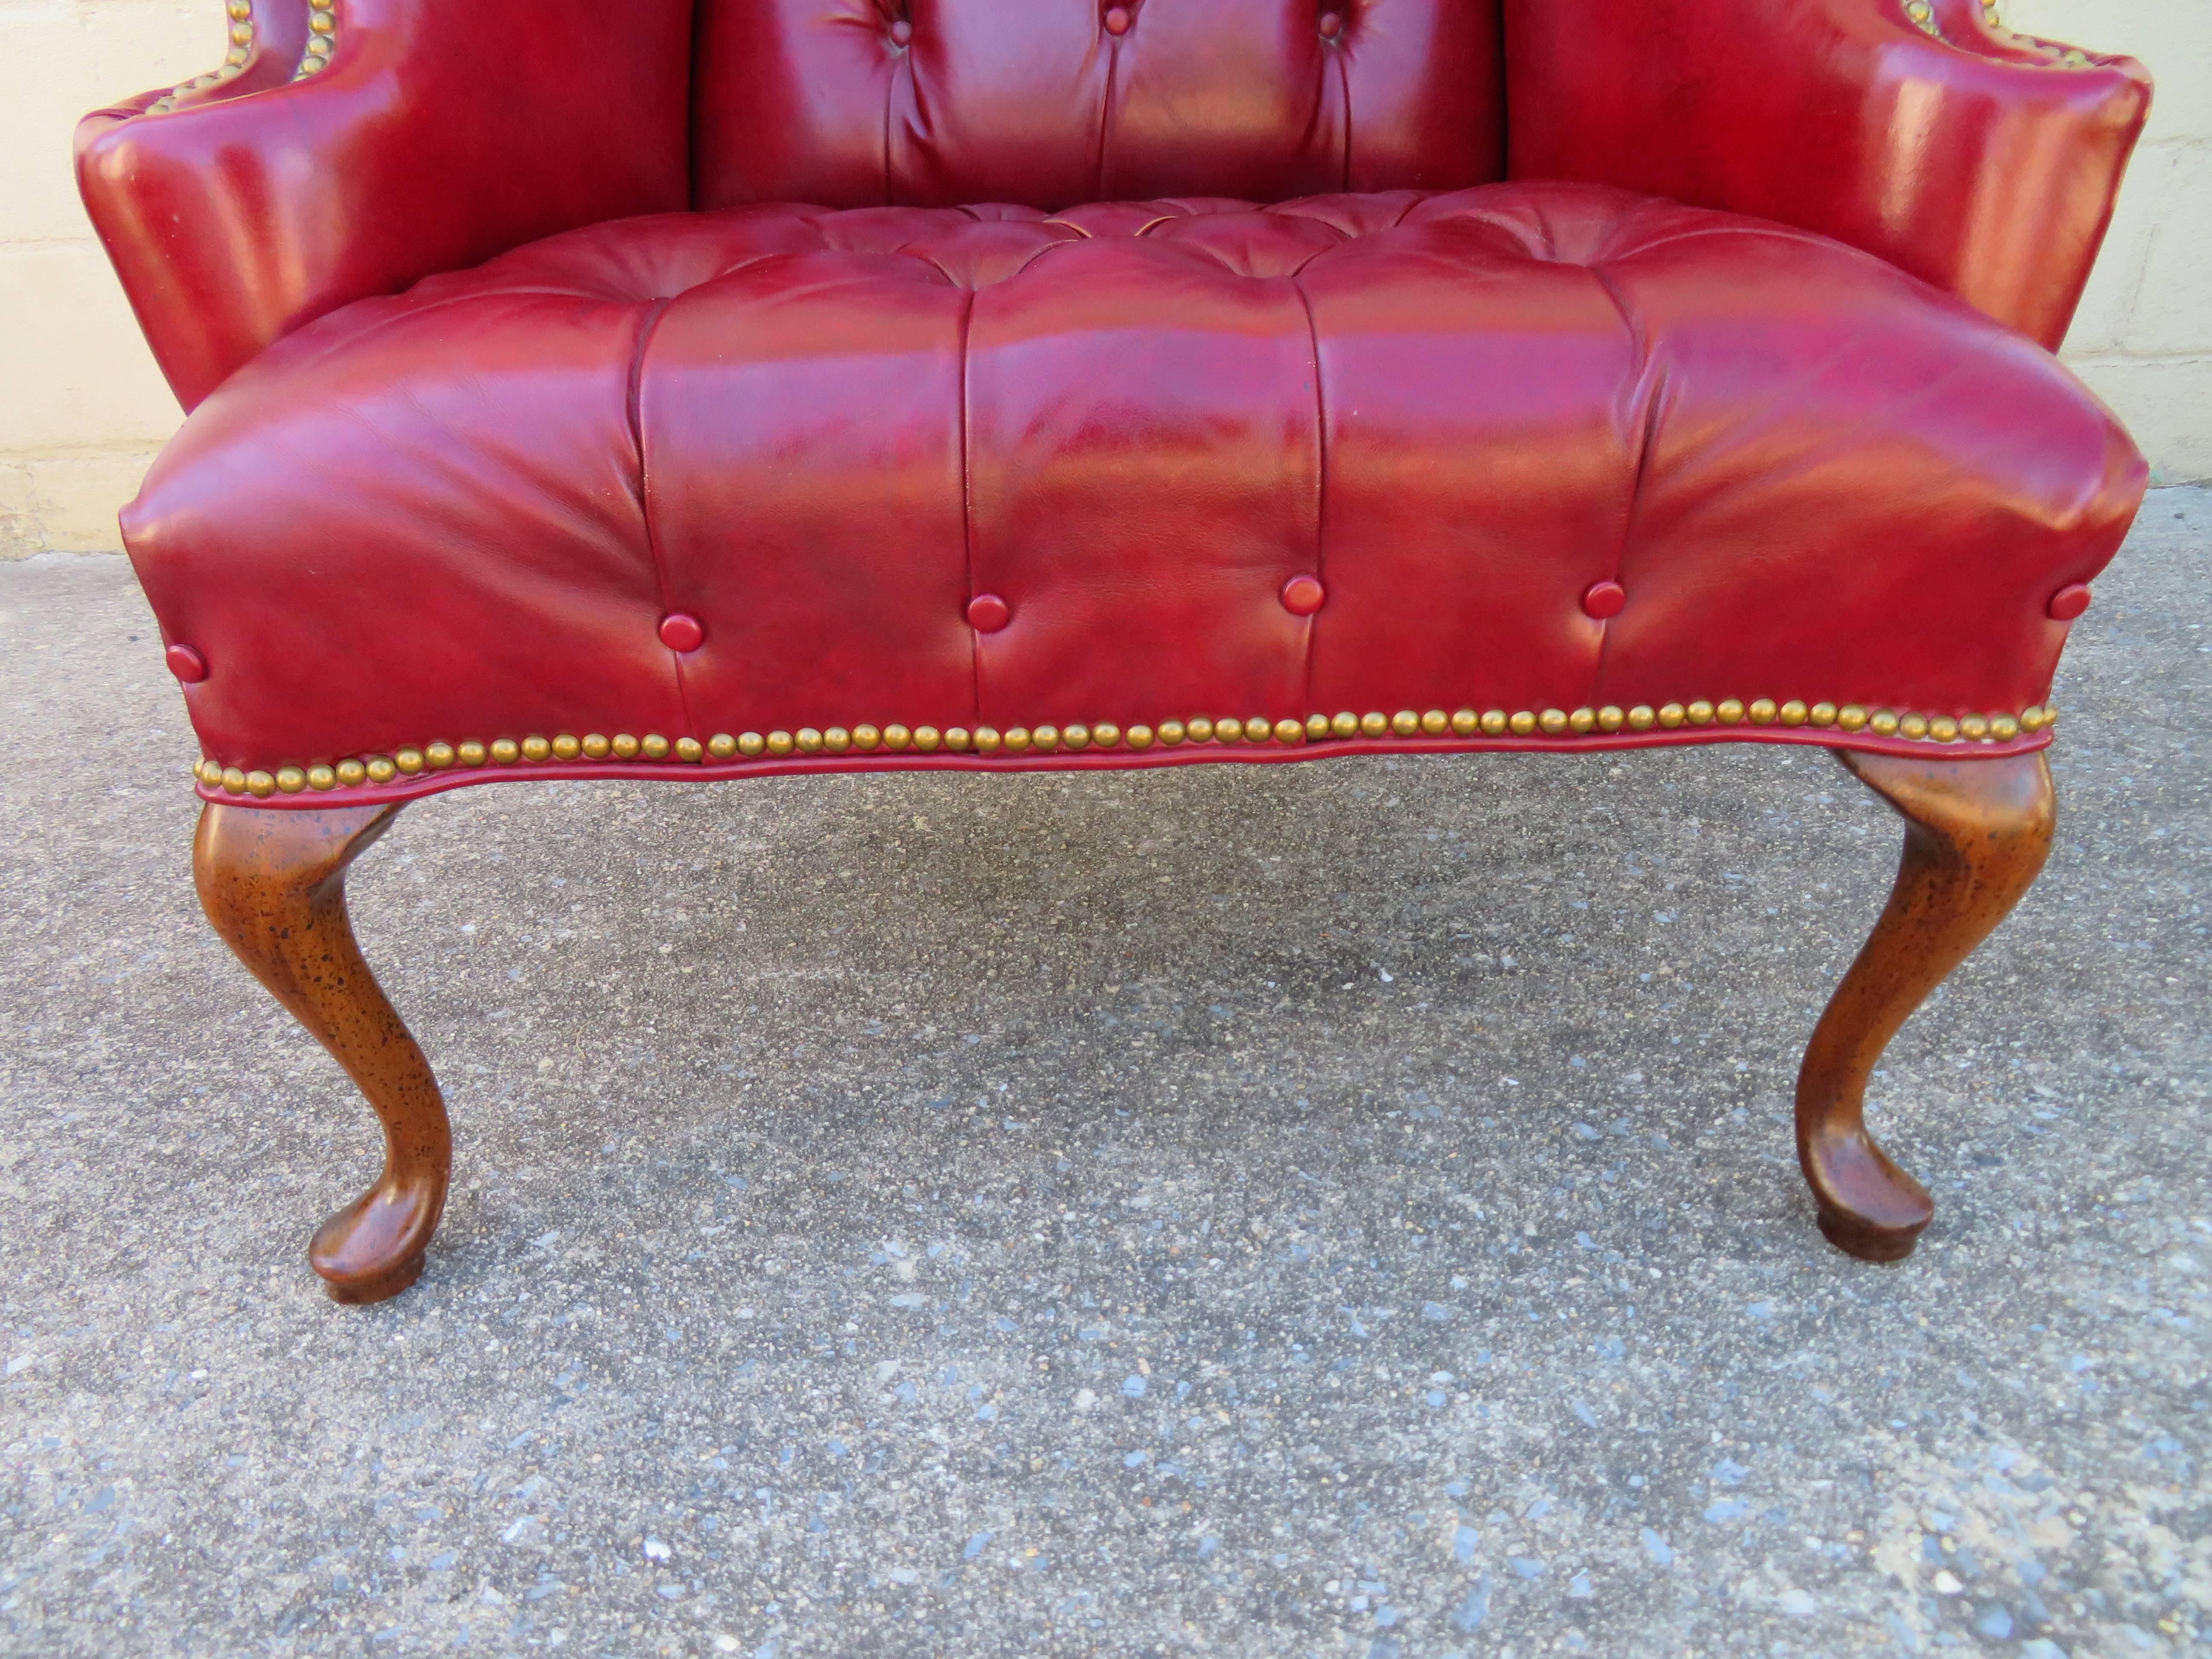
[
  {"x": 188, "y": 665},
  {"x": 682, "y": 633},
  {"x": 2068, "y": 603},
  {"x": 987, "y": 613},
  {"x": 902, "y": 32},
  {"x": 1331, "y": 24},
  {"x": 1117, "y": 19},
  {"x": 1605, "y": 599},
  {"x": 1302, "y": 596}
]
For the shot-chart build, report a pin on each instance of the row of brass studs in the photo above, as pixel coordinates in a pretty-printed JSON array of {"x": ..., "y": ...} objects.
[
  {"x": 1104, "y": 734},
  {"x": 322, "y": 38},
  {"x": 240, "y": 13},
  {"x": 1923, "y": 16},
  {"x": 2057, "y": 56},
  {"x": 2052, "y": 55}
]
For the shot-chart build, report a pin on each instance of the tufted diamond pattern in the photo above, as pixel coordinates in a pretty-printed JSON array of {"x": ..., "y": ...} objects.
[
  {"x": 1138, "y": 425},
  {"x": 860, "y": 103}
]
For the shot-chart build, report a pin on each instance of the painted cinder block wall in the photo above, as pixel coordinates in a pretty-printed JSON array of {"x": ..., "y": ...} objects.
[
  {"x": 2142, "y": 338},
  {"x": 83, "y": 408}
]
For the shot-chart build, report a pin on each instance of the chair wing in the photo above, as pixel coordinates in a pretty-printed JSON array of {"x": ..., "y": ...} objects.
[
  {"x": 432, "y": 137},
  {"x": 1921, "y": 131}
]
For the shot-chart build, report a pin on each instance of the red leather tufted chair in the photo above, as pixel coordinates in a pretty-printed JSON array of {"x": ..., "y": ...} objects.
[{"x": 741, "y": 387}]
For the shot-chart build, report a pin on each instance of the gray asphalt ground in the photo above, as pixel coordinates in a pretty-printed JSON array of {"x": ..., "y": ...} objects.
[{"x": 1334, "y": 1209}]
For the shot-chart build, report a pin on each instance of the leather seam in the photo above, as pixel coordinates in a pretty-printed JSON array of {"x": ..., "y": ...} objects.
[
  {"x": 967, "y": 515},
  {"x": 1344, "y": 85},
  {"x": 647, "y": 327},
  {"x": 1773, "y": 233},
  {"x": 931, "y": 261},
  {"x": 890, "y": 94},
  {"x": 1106, "y": 115},
  {"x": 1039, "y": 253},
  {"x": 695, "y": 34},
  {"x": 1320, "y": 497},
  {"x": 1640, "y": 343},
  {"x": 1551, "y": 256},
  {"x": 361, "y": 330},
  {"x": 1342, "y": 242}
]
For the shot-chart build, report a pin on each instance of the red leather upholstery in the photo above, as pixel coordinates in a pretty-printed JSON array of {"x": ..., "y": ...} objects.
[
  {"x": 444, "y": 131},
  {"x": 1983, "y": 161},
  {"x": 935, "y": 103},
  {"x": 461, "y": 515},
  {"x": 1102, "y": 481}
]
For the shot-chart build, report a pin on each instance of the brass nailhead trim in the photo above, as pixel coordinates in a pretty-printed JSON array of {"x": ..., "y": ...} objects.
[
  {"x": 322, "y": 38},
  {"x": 1227, "y": 730},
  {"x": 239, "y": 29},
  {"x": 2051, "y": 53}
]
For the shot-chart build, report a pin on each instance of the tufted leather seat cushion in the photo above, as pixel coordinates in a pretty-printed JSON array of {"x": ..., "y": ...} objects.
[{"x": 823, "y": 434}]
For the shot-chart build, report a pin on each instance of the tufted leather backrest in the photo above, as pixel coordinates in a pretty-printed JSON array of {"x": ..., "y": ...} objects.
[{"x": 1049, "y": 103}]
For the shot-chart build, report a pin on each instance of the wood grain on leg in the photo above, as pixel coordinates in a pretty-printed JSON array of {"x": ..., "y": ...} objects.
[
  {"x": 273, "y": 883},
  {"x": 1976, "y": 834}
]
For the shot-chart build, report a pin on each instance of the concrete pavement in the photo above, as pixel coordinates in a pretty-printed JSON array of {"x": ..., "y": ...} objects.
[{"x": 1339, "y": 1209}]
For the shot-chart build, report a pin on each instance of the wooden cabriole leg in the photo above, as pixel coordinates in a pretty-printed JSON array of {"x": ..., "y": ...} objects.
[
  {"x": 273, "y": 883},
  {"x": 1976, "y": 834}
]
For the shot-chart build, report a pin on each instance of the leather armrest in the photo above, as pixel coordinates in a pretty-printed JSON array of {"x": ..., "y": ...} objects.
[
  {"x": 437, "y": 134},
  {"x": 1920, "y": 130}
]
